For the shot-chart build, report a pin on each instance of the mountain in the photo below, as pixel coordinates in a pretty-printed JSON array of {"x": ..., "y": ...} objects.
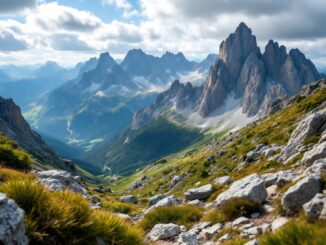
[
  {"x": 4, "y": 77},
  {"x": 147, "y": 69},
  {"x": 14, "y": 126}
]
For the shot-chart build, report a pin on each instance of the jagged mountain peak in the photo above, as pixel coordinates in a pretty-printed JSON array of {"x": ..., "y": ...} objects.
[{"x": 105, "y": 61}]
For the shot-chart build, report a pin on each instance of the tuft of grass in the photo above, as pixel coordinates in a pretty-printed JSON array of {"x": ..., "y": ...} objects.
[
  {"x": 180, "y": 215},
  {"x": 312, "y": 139},
  {"x": 213, "y": 216},
  {"x": 66, "y": 218},
  {"x": 118, "y": 207},
  {"x": 7, "y": 174},
  {"x": 237, "y": 207},
  {"x": 12, "y": 157},
  {"x": 296, "y": 233}
]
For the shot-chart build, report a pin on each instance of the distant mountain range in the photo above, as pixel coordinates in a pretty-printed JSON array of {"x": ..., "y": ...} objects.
[
  {"x": 241, "y": 85},
  {"x": 101, "y": 100}
]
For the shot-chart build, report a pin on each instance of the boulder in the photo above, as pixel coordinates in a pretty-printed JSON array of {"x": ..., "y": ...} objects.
[
  {"x": 209, "y": 232},
  {"x": 240, "y": 221},
  {"x": 188, "y": 238},
  {"x": 300, "y": 193},
  {"x": 129, "y": 199},
  {"x": 175, "y": 180},
  {"x": 224, "y": 180},
  {"x": 200, "y": 193},
  {"x": 12, "y": 229},
  {"x": 316, "y": 207},
  {"x": 57, "y": 180},
  {"x": 279, "y": 222},
  {"x": 309, "y": 126},
  {"x": 316, "y": 153},
  {"x": 285, "y": 177},
  {"x": 270, "y": 179},
  {"x": 318, "y": 167},
  {"x": 152, "y": 201},
  {"x": 164, "y": 231},
  {"x": 251, "y": 187},
  {"x": 196, "y": 202},
  {"x": 167, "y": 201}
]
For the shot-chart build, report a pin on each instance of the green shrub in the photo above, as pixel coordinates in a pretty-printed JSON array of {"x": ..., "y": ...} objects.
[
  {"x": 296, "y": 233},
  {"x": 65, "y": 217},
  {"x": 237, "y": 207},
  {"x": 181, "y": 215}
]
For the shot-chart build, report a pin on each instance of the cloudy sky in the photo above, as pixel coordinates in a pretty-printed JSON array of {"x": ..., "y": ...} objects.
[{"x": 68, "y": 31}]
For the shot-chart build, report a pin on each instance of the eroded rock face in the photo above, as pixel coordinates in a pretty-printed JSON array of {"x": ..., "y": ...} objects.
[
  {"x": 12, "y": 230},
  {"x": 300, "y": 193},
  {"x": 316, "y": 207},
  {"x": 57, "y": 180},
  {"x": 200, "y": 193},
  {"x": 251, "y": 187},
  {"x": 316, "y": 153},
  {"x": 309, "y": 126},
  {"x": 164, "y": 231}
]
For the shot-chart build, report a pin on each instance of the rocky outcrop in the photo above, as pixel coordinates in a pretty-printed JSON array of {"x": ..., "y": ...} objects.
[
  {"x": 164, "y": 231},
  {"x": 57, "y": 180},
  {"x": 310, "y": 125},
  {"x": 317, "y": 152},
  {"x": 12, "y": 229},
  {"x": 223, "y": 180},
  {"x": 200, "y": 193},
  {"x": 14, "y": 126},
  {"x": 300, "y": 193},
  {"x": 316, "y": 207},
  {"x": 152, "y": 201},
  {"x": 129, "y": 199},
  {"x": 251, "y": 187}
]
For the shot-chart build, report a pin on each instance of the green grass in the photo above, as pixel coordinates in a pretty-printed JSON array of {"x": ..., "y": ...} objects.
[
  {"x": 297, "y": 233},
  {"x": 181, "y": 215},
  {"x": 12, "y": 157},
  {"x": 66, "y": 218}
]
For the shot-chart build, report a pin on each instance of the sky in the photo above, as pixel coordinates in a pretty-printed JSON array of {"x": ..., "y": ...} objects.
[{"x": 70, "y": 31}]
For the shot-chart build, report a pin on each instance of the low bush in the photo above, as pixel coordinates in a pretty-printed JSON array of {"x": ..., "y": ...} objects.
[
  {"x": 180, "y": 215},
  {"x": 237, "y": 207},
  {"x": 296, "y": 233},
  {"x": 66, "y": 218}
]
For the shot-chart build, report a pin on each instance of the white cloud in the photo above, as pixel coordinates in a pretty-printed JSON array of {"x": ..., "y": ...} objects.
[
  {"x": 14, "y": 6},
  {"x": 125, "y": 5}
]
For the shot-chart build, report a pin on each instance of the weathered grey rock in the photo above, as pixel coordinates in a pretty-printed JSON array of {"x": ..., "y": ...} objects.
[
  {"x": 175, "y": 180},
  {"x": 306, "y": 128},
  {"x": 315, "y": 207},
  {"x": 300, "y": 193},
  {"x": 12, "y": 229},
  {"x": 224, "y": 180},
  {"x": 285, "y": 177},
  {"x": 200, "y": 193},
  {"x": 129, "y": 199},
  {"x": 187, "y": 238},
  {"x": 167, "y": 201},
  {"x": 152, "y": 201},
  {"x": 254, "y": 215},
  {"x": 279, "y": 222},
  {"x": 225, "y": 237},
  {"x": 196, "y": 202},
  {"x": 270, "y": 179},
  {"x": 266, "y": 227},
  {"x": 252, "y": 231},
  {"x": 164, "y": 231},
  {"x": 57, "y": 180},
  {"x": 209, "y": 232},
  {"x": 202, "y": 225},
  {"x": 251, "y": 187},
  {"x": 317, "y": 152},
  {"x": 240, "y": 221},
  {"x": 252, "y": 242},
  {"x": 318, "y": 168}
]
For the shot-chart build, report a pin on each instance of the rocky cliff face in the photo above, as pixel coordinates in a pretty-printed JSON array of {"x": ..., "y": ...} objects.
[
  {"x": 241, "y": 71},
  {"x": 14, "y": 126}
]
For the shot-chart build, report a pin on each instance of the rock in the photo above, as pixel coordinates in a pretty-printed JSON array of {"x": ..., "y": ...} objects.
[
  {"x": 285, "y": 177},
  {"x": 164, "y": 231},
  {"x": 129, "y": 199},
  {"x": 270, "y": 179},
  {"x": 317, "y": 152},
  {"x": 196, "y": 202},
  {"x": 240, "y": 221},
  {"x": 251, "y": 187},
  {"x": 278, "y": 223},
  {"x": 187, "y": 238},
  {"x": 315, "y": 207},
  {"x": 209, "y": 232},
  {"x": 225, "y": 237},
  {"x": 175, "y": 180},
  {"x": 252, "y": 155},
  {"x": 200, "y": 226},
  {"x": 272, "y": 191},
  {"x": 57, "y": 180},
  {"x": 255, "y": 215},
  {"x": 309, "y": 126},
  {"x": 167, "y": 201},
  {"x": 200, "y": 193},
  {"x": 252, "y": 231},
  {"x": 152, "y": 201},
  {"x": 12, "y": 229},
  {"x": 224, "y": 180},
  {"x": 300, "y": 193},
  {"x": 95, "y": 199},
  {"x": 266, "y": 227},
  {"x": 318, "y": 168},
  {"x": 268, "y": 208}
]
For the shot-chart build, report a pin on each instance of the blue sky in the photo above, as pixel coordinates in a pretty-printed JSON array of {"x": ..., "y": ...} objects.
[{"x": 69, "y": 31}]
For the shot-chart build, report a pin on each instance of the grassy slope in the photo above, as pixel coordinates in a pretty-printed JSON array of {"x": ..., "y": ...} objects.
[{"x": 274, "y": 129}]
